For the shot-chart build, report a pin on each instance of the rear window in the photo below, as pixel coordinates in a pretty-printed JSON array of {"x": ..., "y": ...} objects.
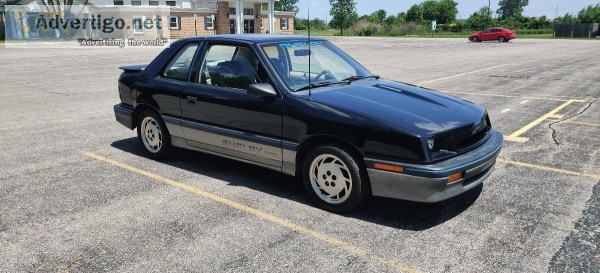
[{"x": 179, "y": 66}]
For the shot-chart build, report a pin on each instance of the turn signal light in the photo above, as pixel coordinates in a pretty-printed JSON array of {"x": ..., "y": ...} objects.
[
  {"x": 455, "y": 177},
  {"x": 387, "y": 167}
]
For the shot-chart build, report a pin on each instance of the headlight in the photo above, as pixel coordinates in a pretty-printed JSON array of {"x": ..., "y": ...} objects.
[{"x": 430, "y": 143}]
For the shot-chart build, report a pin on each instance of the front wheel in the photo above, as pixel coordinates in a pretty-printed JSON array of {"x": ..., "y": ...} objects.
[
  {"x": 334, "y": 179},
  {"x": 475, "y": 39},
  {"x": 153, "y": 135},
  {"x": 502, "y": 39}
]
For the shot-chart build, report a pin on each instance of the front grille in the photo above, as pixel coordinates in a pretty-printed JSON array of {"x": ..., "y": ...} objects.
[
  {"x": 461, "y": 139},
  {"x": 468, "y": 141}
]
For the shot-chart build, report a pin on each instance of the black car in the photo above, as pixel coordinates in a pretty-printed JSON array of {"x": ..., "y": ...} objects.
[{"x": 346, "y": 132}]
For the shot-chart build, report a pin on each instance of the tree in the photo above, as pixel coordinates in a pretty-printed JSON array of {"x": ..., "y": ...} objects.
[
  {"x": 343, "y": 14},
  {"x": 287, "y": 5},
  {"x": 430, "y": 10},
  {"x": 480, "y": 19},
  {"x": 443, "y": 11},
  {"x": 567, "y": 19},
  {"x": 511, "y": 8},
  {"x": 414, "y": 14},
  {"x": 378, "y": 16},
  {"x": 591, "y": 14},
  {"x": 381, "y": 15},
  {"x": 447, "y": 10}
]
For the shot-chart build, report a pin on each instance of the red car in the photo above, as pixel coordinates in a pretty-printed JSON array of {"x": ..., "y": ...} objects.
[{"x": 491, "y": 34}]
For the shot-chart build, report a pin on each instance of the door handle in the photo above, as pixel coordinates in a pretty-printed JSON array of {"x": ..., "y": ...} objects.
[{"x": 191, "y": 99}]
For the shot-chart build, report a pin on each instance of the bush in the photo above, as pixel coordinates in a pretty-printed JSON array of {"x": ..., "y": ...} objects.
[
  {"x": 366, "y": 28},
  {"x": 408, "y": 28},
  {"x": 534, "y": 31}
]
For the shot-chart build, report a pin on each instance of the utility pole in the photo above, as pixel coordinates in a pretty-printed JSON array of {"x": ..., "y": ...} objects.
[{"x": 489, "y": 13}]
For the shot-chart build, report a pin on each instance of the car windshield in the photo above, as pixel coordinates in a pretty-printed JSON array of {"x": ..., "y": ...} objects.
[{"x": 328, "y": 64}]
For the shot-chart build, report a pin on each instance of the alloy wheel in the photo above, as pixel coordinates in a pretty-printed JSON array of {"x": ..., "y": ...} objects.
[
  {"x": 151, "y": 135},
  {"x": 330, "y": 178}
]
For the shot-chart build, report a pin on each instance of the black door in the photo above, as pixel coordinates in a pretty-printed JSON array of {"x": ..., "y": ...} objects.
[
  {"x": 231, "y": 26},
  {"x": 164, "y": 91},
  {"x": 218, "y": 115},
  {"x": 248, "y": 26}
]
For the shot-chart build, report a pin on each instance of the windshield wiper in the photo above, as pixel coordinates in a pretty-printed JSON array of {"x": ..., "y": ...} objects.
[
  {"x": 316, "y": 85},
  {"x": 356, "y": 78}
]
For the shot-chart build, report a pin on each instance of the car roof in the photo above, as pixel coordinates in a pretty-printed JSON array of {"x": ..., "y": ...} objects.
[{"x": 253, "y": 38}]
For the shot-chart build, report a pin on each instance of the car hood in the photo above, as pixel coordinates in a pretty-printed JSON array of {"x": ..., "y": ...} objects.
[{"x": 404, "y": 107}]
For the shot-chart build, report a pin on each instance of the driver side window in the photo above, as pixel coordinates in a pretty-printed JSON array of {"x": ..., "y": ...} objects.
[{"x": 231, "y": 66}]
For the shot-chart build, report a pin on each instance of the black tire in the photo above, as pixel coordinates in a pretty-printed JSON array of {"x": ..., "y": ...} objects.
[
  {"x": 501, "y": 39},
  {"x": 475, "y": 40},
  {"x": 159, "y": 132},
  {"x": 359, "y": 182}
]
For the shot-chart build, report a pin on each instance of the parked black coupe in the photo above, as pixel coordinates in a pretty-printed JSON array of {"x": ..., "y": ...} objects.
[{"x": 346, "y": 132}]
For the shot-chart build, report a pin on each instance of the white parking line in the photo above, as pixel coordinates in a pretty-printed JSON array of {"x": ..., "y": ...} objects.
[
  {"x": 505, "y": 110},
  {"x": 525, "y": 101}
]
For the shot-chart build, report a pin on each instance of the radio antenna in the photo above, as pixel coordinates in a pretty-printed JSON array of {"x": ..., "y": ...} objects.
[{"x": 309, "y": 53}]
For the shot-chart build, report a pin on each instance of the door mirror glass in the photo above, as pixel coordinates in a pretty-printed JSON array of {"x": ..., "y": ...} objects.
[{"x": 262, "y": 90}]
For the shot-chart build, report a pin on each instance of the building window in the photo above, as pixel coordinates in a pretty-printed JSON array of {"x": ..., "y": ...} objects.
[
  {"x": 118, "y": 2},
  {"x": 283, "y": 23},
  {"x": 136, "y": 3},
  {"x": 232, "y": 26},
  {"x": 171, "y": 3},
  {"x": 153, "y": 3},
  {"x": 209, "y": 22},
  {"x": 174, "y": 22},
  {"x": 248, "y": 11},
  {"x": 138, "y": 28},
  {"x": 231, "y": 11},
  {"x": 248, "y": 26}
]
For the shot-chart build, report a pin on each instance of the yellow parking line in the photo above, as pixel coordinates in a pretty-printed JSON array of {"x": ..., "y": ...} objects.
[
  {"x": 594, "y": 176},
  {"x": 271, "y": 218},
  {"x": 462, "y": 74},
  {"x": 515, "y": 136}
]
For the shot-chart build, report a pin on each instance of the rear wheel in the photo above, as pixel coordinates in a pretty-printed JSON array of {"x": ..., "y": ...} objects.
[
  {"x": 502, "y": 39},
  {"x": 333, "y": 179},
  {"x": 475, "y": 39},
  {"x": 153, "y": 135}
]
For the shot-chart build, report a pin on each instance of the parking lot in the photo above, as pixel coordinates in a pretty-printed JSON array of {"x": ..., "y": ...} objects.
[{"x": 77, "y": 194}]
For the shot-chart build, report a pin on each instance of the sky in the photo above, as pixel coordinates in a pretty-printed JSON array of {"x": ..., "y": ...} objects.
[{"x": 320, "y": 8}]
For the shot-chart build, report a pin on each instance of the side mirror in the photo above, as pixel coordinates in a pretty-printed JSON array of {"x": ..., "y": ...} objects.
[{"x": 262, "y": 90}]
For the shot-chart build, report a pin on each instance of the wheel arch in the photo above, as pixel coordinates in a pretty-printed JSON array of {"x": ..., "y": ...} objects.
[
  {"x": 314, "y": 141},
  {"x": 140, "y": 108}
]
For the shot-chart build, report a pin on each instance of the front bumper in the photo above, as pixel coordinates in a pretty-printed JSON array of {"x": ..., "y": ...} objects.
[
  {"x": 124, "y": 115},
  {"x": 429, "y": 183}
]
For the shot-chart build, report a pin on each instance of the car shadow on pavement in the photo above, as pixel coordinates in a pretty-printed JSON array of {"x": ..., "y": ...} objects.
[{"x": 382, "y": 211}]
